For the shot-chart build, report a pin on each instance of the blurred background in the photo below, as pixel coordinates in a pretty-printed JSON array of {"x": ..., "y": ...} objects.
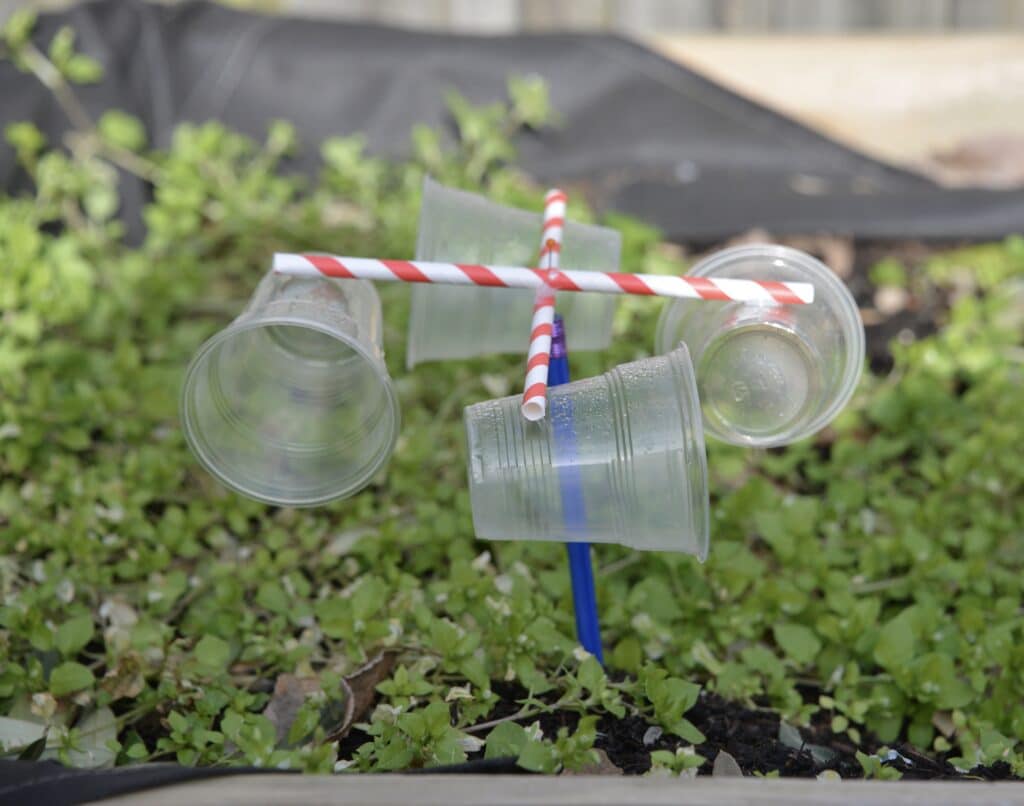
[
  {"x": 651, "y": 16},
  {"x": 874, "y": 121},
  {"x": 935, "y": 85}
]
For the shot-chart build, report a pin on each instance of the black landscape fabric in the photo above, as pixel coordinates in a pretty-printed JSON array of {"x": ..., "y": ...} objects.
[{"x": 644, "y": 135}]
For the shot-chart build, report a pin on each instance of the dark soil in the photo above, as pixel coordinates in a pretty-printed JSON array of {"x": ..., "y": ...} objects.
[{"x": 749, "y": 735}]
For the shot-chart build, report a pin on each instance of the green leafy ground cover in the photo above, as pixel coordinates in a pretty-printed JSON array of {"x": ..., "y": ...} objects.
[{"x": 870, "y": 577}]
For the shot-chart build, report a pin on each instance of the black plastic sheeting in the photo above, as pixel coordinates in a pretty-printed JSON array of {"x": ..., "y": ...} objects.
[
  {"x": 47, "y": 783},
  {"x": 645, "y": 135}
]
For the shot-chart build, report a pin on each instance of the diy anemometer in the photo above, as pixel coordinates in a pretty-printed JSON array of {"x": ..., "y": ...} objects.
[{"x": 291, "y": 404}]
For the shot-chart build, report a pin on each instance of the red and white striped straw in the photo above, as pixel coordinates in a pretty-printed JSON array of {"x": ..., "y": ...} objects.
[
  {"x": 535, "y": 389},
  {"x": 421, "y": 271}
]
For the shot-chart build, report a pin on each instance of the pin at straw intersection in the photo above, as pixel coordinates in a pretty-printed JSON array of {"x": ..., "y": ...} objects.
[{"x": 722, "y": 289}]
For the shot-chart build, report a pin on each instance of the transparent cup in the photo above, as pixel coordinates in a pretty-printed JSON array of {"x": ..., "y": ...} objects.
[
  {"x": 291, "y": 404},
  {"x": 769, "y": 374},
  {"x": 450, "y": 322},
  {"x": 618, "y": 459}
]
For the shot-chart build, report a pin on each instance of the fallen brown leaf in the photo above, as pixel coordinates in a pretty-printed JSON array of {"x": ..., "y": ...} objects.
[
  {"x": 290, "y": 692},
  {"x": 360, "y": 691},
  {"x": 337, "y": 718},
  {"x": 725, "y": 766},
  {"x": 126, "y": 680},
  {"x": 603, "y": 766}
]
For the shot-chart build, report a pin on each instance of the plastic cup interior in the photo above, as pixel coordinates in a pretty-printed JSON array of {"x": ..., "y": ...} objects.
[
  {"x": 769, "y": 374},
  {"x": 289, "y": 410},
  {"x": 618, "y": 459},
  {"x": 454, "y": 322}
]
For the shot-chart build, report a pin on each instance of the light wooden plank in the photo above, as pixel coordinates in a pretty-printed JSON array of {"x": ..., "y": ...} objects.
[
  {"x": 985, "y": 14},
  {"x": 587, "y": 15},
  {"x": 329, "y": 9},
  {"x": 517, "y": 790},
  {"x": 412, "y": 13},
  {"x": 492, "y": 16},
  {"x": 899, "y": 98},
  {"x": 644, "y": 16}
]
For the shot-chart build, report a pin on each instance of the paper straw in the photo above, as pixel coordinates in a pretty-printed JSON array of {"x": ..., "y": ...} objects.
[
  {"x": 420, "y": 271},
  {"x": 535, "y": 388}
]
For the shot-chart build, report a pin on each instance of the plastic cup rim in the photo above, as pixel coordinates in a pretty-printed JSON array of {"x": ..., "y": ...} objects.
[
  {"x": 198, "y": 449},
  {"x": 700, "y": 515},
  {"x": 846, "y": 312}
]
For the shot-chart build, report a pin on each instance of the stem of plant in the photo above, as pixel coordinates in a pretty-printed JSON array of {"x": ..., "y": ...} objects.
[
  {"x": 524, "y": 714},
  {"x": 44, "y": 70}
]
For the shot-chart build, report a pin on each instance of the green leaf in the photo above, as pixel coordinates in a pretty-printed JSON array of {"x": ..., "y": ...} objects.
[
  {"x": 686, "y": 730},
  {"x": 776, "y": 531},
  {"x": 122, "y": 130},
  {"x": 798, "y": 642},
  {"x": 591, "y": 675},
  {"x": 444, "y": 636},
  {"x": 100, "y": 202},
  {"x": 395, "y": 755},
  {"x": 448, "y": 749},
  {"x": 889, "y": 272},
  {"x": 282, "y": 137},
  {"x": 937, "y": 681},
  {"x": 628, "y": 655},
  {"x": 76, "y": 439},
  {"x": 343, "y": 153},
  {"x": 62, "y": 46},
  {"x": 178, "y": 722},
  {"x": 505, "y": 740},
  {"x": 272, "y": 596},
  {"x": 25, "y": 138},
  {"x": 896, "y": 644},
  {"x": 74, "y": 634},
  {"x": 530, "y": 102},
  {"x": 212, "y": 653},
  {"x": 672, "y": 697},
  {"x": 538, "y": 756},
  {"x": 70, "y": 677},
  {"x": 82, "y": 69},
  {"x": 427, "y": 147},
  {"x": 437, "y": 718},
  {"x": 19, "y": 27}
]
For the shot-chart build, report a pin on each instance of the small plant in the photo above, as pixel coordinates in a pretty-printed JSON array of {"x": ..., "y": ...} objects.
[
  {"x": 683, "y": 761},
  {"x": 873, "y": 575},
  {"x": 874, "y": 767}
]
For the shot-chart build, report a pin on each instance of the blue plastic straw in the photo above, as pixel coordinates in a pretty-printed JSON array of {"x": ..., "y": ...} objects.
[{"x": 581, "y": 572}]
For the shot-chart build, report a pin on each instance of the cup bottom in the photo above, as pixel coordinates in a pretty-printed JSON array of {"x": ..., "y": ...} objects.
[{"x": 758, "y": 383}]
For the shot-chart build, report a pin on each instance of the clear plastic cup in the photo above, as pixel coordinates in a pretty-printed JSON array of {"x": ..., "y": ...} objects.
[
  {"x": 449, "y": 322},
  {"x": 291, "y": 404},
  {"x": 769, "y": 374},
  {"x": 618, "y": 459}
]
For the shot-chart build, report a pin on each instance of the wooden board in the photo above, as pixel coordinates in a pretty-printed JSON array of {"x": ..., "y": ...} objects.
[
  {"x": 525, "y": 790},
  {"x": 903, "y": 99}
]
